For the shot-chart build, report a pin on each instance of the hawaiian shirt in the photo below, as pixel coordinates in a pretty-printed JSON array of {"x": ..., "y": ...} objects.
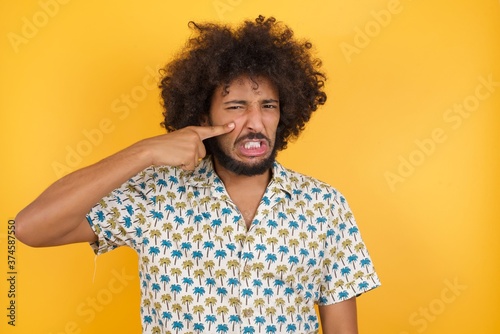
[{"x": 201, "y": 270}]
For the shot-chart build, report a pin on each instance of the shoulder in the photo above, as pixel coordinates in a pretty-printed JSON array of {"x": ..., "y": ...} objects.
[
  {"x": 158, "y": 172},
  {"x": 150, "y": 178},
  {"x": 299, "y": 181}
]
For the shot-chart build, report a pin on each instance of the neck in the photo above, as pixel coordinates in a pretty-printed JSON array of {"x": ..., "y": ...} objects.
[{"x": 245, "y": 191}]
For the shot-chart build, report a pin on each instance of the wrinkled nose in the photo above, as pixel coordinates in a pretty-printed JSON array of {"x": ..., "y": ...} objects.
[{"x": 254, "y": 121}]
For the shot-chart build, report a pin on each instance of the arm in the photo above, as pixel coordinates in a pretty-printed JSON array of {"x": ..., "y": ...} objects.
[
  {"x": 57, "y": 216},
  {"x": 340, "y": 318}
]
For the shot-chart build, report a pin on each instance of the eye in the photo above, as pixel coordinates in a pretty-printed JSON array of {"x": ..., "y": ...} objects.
[
  {"x": 270, "y": 106},
  {"x": 235, "y": 107}
]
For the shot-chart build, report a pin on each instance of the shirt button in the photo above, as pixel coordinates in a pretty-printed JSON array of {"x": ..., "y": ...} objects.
[{"x": 247, "y": 267}]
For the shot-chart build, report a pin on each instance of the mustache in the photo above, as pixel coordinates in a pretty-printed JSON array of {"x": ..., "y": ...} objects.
[{"x": 253, "y": 135}]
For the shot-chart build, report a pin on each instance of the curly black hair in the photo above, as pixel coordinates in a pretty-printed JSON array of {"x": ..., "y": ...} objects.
[{"x": 218, "y": 54}]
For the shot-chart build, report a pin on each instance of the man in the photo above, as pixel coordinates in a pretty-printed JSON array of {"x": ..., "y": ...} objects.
[{"x": 228, "y": 240}]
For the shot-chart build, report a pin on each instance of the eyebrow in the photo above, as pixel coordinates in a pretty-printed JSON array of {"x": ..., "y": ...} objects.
[{"x": 246, "y": 102}]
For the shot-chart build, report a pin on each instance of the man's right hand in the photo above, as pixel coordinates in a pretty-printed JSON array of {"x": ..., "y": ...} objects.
[{"x": 182, "y": 148}]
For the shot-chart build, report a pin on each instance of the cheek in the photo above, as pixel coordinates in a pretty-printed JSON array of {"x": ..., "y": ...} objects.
[
  {"x": 239, "y": 125},
  {"x": 224, "y": 118},
  {"x": 272, "y": 122},
  {"x": 227, "y": 140}
]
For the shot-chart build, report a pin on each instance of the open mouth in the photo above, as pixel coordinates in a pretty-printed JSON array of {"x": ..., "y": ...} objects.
[
  {"x": 253, "y": 148},
  {"x": 252, "y": 145}
]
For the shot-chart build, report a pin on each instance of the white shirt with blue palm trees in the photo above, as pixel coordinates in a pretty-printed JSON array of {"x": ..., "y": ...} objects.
[{"x": 201, "y": 270}]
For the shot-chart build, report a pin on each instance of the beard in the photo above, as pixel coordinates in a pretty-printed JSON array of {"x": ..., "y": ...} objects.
[{"x": 239, "y": 167}]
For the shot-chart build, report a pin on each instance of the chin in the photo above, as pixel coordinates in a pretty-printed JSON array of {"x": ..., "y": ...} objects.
[
  {"x": 247, "y": 169},
  {"x": 258, "y": 166}
]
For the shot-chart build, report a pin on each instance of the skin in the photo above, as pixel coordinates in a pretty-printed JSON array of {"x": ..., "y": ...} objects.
[
  {"x": 57, "y": 216},
  {"x": 339, "y": 318}
]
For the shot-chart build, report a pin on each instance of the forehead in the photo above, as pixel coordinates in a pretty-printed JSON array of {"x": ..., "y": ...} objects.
[{"x": 246, "y": 85}]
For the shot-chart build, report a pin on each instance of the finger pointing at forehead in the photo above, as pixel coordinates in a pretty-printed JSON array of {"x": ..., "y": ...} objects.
[{"x": 215, "y": 130}]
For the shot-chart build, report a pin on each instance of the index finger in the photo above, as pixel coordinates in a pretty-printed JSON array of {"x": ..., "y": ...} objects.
[{"x": 214, "y": 130}]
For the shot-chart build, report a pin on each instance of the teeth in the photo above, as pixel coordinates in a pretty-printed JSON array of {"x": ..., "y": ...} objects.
[{"x": 252, "y": 144}]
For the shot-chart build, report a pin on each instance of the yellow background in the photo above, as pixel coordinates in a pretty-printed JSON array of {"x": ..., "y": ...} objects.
[{"x": 87, "y": 65}]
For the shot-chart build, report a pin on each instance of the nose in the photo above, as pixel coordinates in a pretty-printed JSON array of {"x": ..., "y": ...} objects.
[{"x": 254, "y": 121}]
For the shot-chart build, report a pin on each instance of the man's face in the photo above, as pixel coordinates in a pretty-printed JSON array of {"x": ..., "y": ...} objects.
[{"x": 253, "y": 105}]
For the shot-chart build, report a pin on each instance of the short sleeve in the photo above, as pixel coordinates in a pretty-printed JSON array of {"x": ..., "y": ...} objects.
[
  {"x": 120, "y": 218},
  {"x": 347, "y": 267}
]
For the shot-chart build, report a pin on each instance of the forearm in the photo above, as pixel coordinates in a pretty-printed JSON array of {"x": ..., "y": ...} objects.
[{"x": 63, "y": 206}]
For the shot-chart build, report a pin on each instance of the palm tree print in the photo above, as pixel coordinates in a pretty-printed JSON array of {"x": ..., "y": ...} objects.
[{"x": 201, "y": 270}]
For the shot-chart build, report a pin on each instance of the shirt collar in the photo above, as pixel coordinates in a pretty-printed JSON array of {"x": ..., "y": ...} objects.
[
  {"x": 204, "y": 176},
  {"x": 281, "y": 179}
]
